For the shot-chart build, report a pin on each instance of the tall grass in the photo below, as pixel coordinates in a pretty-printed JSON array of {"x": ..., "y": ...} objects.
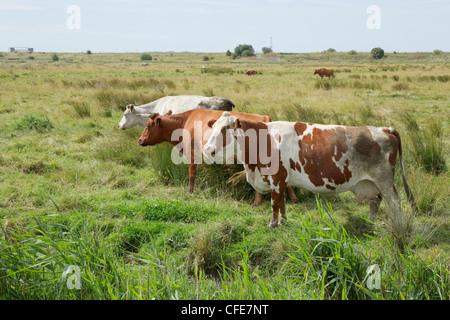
[
  {"x": 322, "y": 261},
  {"x": 427, "y": 144}
]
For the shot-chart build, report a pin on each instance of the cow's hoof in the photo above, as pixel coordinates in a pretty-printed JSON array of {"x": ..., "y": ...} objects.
[
  {"x": 255, "y": 204},
  {"x": 273, "y": 223}
]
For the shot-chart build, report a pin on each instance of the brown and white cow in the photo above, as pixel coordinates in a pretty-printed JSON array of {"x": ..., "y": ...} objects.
[
  {"x": 188, "y": 132},
  {"x": 326, "y": 159},
  {"x": 250, "y": 72},
  {"x": 324, "y": 72}
]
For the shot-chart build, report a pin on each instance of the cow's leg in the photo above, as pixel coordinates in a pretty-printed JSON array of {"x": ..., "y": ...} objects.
[
  {"x": 278, "y": 205},
  {"x": 258, "y": 197},
  {"x": 374, "y": 206},
  {"x": 292, "y": 195},
  {"x": 192, "y": 171}
]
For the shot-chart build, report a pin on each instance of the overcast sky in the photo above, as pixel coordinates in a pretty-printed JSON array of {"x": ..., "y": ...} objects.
[{"x": 218, "y": 25}]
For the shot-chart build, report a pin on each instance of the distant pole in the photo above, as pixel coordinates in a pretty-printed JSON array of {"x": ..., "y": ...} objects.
[{"x": 270, "y": 42}]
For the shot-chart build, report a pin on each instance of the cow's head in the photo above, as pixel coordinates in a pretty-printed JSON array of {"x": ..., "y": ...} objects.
[
  {"x": 130, "y": 118},
  {"x": 221, "y": 138},
  {"x": 315, "y": 72},
  {"x": 154, "y": 130}
]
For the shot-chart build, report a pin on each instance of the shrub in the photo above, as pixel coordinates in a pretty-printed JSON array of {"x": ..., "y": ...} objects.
[
  {"x": 89, "y": 52},
  {"x": 331, "y": 50},
  {"x": 205, "y": 58},
  {"x": 377, "y": 53},
  {"x": 228, "y": 53},
  {"x": 146, "y": 57},
  {"x": 352, "y": 52},
  {"x": 437, "y": 52},
  {"x": 55, "y": 57}
]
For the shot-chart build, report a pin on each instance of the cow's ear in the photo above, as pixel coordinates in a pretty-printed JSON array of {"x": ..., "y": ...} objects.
[
  {"x": 168, "y": 113},
  {"x": 130, "y": 107},
  {"x": 158, "y": 121},
  {"x": 154, "y": 115},
  {"x": 211, "y": 123},
  {"x": 237, "y": 123}
]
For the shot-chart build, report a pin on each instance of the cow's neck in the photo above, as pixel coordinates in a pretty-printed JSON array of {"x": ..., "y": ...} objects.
[{"x": 172, "y": 123}]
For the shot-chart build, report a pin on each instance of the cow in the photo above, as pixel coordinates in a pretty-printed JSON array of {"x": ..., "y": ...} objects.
[
  {"x": 250, "y": 72},
  {"x": 328, "y": 159},
  {"x": 324, "y": 72},
  {"x": 160, "y": 129},
  {"x": 132, "y": 114}
]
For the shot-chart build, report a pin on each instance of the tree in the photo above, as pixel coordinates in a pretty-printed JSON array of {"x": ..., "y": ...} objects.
[
  {"x": 244, "y": 50},
  {"x": 89, "y": 52},
  {"x": 266, "y": 50},
  {"x": 377, "y": 53},
  {"x": 146, "y": 56},
  {"x": 331, "y": 50},
  {"x": 228, "y": 53},
  {"x": 352, "y": 52}
]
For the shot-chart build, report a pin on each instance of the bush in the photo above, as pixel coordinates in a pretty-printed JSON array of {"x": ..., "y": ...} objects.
[
  {"x": 331, "y": 50},
  {"x": 146, "y": 57},
  {"x": 89, "y": 52},
  {"x": 55, "y": 57},
  {"x": 352, "y": 52},
  {"x": 377, "y": 53},
  {"x": 205, "y": 58},
  {"x": 437, "y": 52},
  {"x": 228, "y": 53}
]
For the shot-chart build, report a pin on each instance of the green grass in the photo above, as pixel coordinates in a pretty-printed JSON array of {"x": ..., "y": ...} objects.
[{"x": 76, "y": 190}]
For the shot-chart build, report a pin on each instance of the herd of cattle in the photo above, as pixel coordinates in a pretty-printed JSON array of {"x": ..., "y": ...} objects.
[{"x": 326, "y": 159}]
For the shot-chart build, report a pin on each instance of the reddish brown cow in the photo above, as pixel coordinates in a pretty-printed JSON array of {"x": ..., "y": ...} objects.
[
  {"x": 324, "y": 72},
  {"x": 250, "y": 72},
  {"x": 326, "y": 159},
  {"x": 163, "y": 129}
]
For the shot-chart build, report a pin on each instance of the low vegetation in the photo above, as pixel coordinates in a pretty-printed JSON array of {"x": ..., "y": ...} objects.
[{"x": 77, "y": 191}]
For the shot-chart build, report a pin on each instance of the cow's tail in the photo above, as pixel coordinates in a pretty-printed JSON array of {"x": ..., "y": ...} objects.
[{"x": 408, "y": 191}]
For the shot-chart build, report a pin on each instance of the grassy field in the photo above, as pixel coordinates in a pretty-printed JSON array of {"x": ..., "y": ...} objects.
[{"x": 76, "y": 190}]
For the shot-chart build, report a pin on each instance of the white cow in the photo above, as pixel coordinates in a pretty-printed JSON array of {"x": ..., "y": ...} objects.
[{"x": 177, "y": 104}]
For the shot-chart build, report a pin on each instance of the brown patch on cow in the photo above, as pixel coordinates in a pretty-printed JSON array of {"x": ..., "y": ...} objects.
[
  {"x": 363, "y": 141},
  {"x": 330, "y": 187},
  {"x": 318, "y": 153},
  {"x": 394, "y": 143},
  {"x": 300, "y": 127},
  {"x": 295, "y": 165}
]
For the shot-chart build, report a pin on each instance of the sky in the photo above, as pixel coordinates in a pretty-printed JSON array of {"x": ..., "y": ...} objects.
[{"x": 219, "y": 25}]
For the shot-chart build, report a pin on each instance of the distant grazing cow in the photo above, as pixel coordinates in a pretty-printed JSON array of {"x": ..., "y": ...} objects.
[
  {"x": 133, "y": 114},
  {"x": 324, "y": 72},
  {"x": 250, "y": 72},
  {"x": 161, "y": 129},
  {"x": 327, "y": 159}
]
